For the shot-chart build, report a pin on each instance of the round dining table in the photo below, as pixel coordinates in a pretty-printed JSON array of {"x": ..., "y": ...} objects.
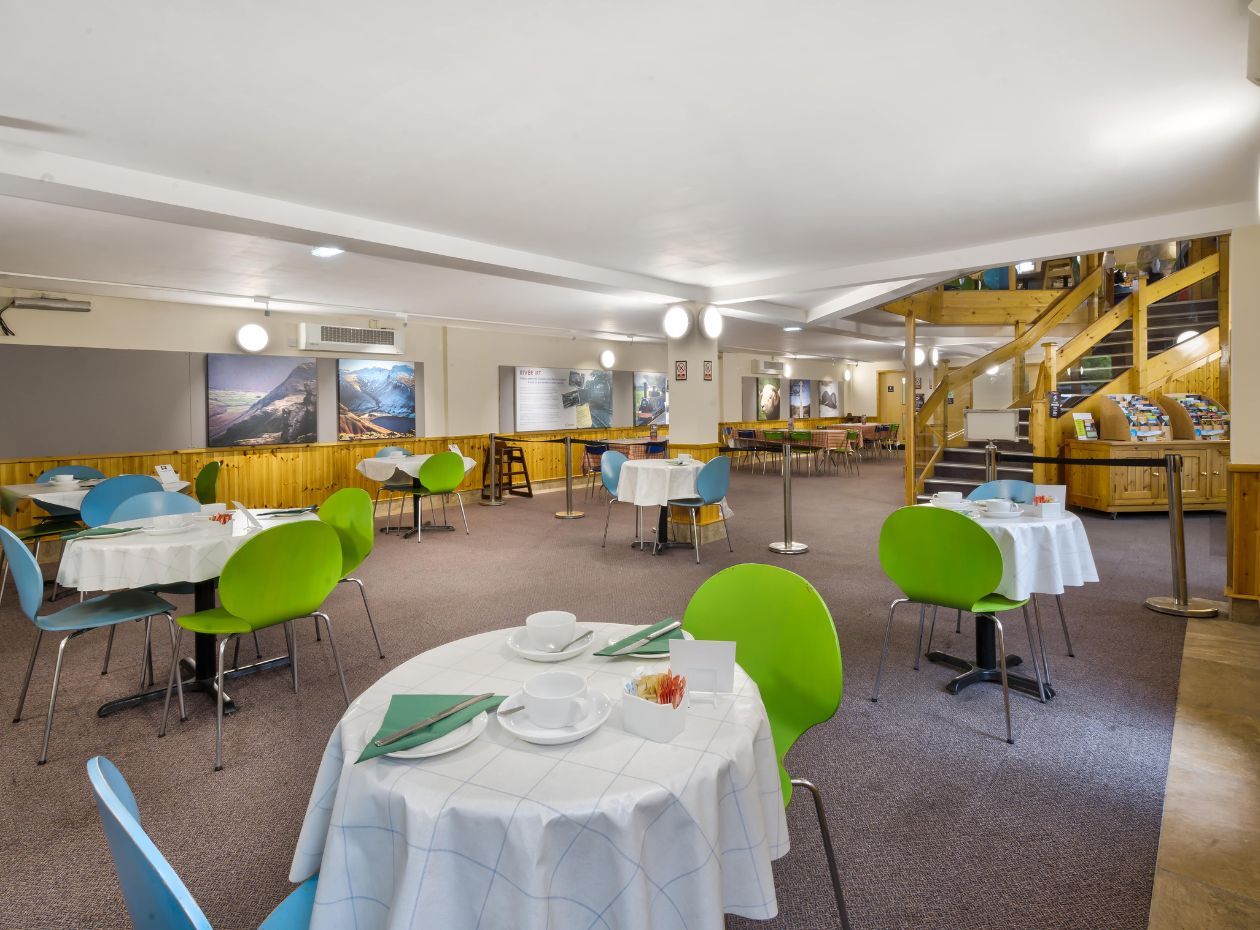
[
  {"x": 384, "y": 467},
  {"x": 609, "y": 831},
  {"x": 654, "y": 483},
  {"x": 1040, "y": 555},
  {"x": 140, "y": 559}
]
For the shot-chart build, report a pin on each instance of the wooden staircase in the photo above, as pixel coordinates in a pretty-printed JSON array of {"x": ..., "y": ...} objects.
[{"x": 961, "y": 468}]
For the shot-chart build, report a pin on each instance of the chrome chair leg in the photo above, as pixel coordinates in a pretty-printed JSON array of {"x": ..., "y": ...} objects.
[
  {"x": 218, "y": 703},
  {"x": 695, "y": 533},
  {"x": 958, "y": 623},
  {"x": 932, "y": 628},
  {"x": 368, "y": 610},
  {"x": 1058, "y": 599},
  {"x": 1041, "y": 688},
  {"x": 1041, "y": 638},
  {"x": 918, "y": 649},
  {"x": 315, "y": 620},
  {"x": 1006, "y": 691},
  {"x": 607, "y": 517},
  {"x": 146, "y": 661},
  {"x": 884, "y": 654},
  {"x": 459, "y": 500},
  {"x": 26, "y": 682},
  {"x": 173, "y": 679},
  {"x": 109, "y": 647},
  {"x": 52, "y": 698},
  {"x": 827, "y": 848},
  {"x": 726, "y": 529},
  {"x": 290, "y": 640},
  {"x": 336, "y": 659},
  {"x": 236, "y": 654}
]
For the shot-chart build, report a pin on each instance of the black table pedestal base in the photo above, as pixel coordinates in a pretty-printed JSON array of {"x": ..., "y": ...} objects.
[
  {"x": 195, "y": 685},
  {"x": 973, "y": 674}
]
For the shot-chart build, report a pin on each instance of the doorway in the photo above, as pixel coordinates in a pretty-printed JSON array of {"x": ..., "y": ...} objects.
[{"x": 892, "y": 396}]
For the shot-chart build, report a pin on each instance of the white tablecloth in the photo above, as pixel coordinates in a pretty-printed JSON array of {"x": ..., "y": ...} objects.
[
  {"x": 612, "y": 831},
  {"x": 654, "y": 482},
  {"x": 383, "y": 468},
  {"x": 109, "y": 563},
  {"x": 1041, "y": 556},
  {"x": 47, "y": 493}
]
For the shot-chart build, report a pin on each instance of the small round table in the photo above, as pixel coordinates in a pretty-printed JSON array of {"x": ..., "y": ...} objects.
[
  {"x": 654, "y": 483},
  {"x": 610, "y": 831},
  {"x": 383, "y": 467}
]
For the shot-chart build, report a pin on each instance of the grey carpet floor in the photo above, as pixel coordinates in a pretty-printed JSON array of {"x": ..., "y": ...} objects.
[{"x": 939, "y": 823}]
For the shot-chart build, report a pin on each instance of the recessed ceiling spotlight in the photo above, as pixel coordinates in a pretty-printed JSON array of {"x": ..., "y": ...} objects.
[
  {"x": 848, "y": 375},
  {"x": 607, "y": 359},
  {"x": 326, "y": 251},
  {"x": 711, "y": 321},
  {"x": 791, "y": 329},
  {"x": 677, "y": 321},
  {"x": 252, "y": 337},
  {"x": 1188, "y": 334}
]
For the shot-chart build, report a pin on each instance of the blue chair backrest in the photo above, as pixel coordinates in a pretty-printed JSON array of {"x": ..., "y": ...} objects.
[
  {"x": 610, "y": 470},
  {"x": 78, "y": 471},
  {"x": 153, "y": 504},
  {"x": 594, "y": 448},
  {"x": 155, "y": 896},
  {"x": 747, "y": 434},
  {"x": 714, "y": 480},
  {"x": 103, "y": 500},
  {"x": 391, "y": 450},
  {"x": 26, "y": 574},
  {"x": 1021, "y": 492},
  {"x": 656, "y": 448}
]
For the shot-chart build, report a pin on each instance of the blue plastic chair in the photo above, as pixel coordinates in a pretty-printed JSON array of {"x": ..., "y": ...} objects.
[
  {"x": 82, "y": 472},
  {"x": 712, "y": 484},
  {"x": 1021, "y": 492},
  {"x": 98, "y": 507},
  {"x": 390, "y": 450},
  {"x": 154, "y": 504},
  {"x": 656, "y": 450},
  {"x": 107, "y": 610},
  {"x": 610, "y": 476},
  {"x": 156, "y": 898}
]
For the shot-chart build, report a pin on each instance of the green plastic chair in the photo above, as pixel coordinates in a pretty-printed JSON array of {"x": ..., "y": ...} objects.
[
  {"x": 786, "y": 641},
  {"x": 439, "y": 476},
  {"x": 206, "y": 484},
  {"x": 349, "y": 512},
  {"x": 277, "y": 576},
  {"x": 941, "y": 558}
]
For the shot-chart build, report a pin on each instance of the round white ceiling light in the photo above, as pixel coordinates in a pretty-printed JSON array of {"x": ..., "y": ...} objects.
[
  {"x": 677, "y": 321},
  {"x": 919, "y": 356},
  {"x": 848, "y": 375},
  {"x": 252, "y": 337},
  {"x": 711, "y": 321},
  {"x": 607, "y": 359},
  {"x": 1188, "y": 334},
  {"x": 992, "y": 370},
  {"x": 936, "y": 356}
]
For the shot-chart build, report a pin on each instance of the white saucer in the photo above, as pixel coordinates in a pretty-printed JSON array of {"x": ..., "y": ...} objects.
[
  {"x": 951, "y": 505},
  {"x": 1011, "y": 515},
  {"x": 518, "y": 642},
  {"x": 166, "y": 530},
  {"x": 64, "y": 485},
  {"x": 448, "y": 743},
  {"x": 519, "y": 724},
  {"x": 642, "y": 655}
]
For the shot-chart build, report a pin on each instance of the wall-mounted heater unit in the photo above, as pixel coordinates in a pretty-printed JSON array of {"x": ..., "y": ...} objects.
[{"x": 321, "y": 337}]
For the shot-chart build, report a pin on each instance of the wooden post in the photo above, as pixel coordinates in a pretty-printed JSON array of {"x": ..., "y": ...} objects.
[
  {"x": 1090, "y": 262},
  {"x": 1222, "y": 312},
  {"x": 1043, "y": 429},
  {"x": 1019, "y": 369},
  {"x": 1011, "y": 283},
  {"x": 909, "y": 414},
  {"x": 1138, "y": 378}
]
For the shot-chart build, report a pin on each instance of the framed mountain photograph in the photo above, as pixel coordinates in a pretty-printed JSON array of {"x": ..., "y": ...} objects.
[
  {"x": 375, "y": 400},
  {"x": 257, "y": 400}
]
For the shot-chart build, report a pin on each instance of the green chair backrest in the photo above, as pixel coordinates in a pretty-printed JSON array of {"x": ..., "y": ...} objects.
[
  {"x": 206, "y": 485},
  {"x": 281, "y": 573},
  {"x": 938, "y": 556},
  {"x": 784, "y": 639},
  {"x": 349, "y": 512},
  {"x": 773, "y": 435},
  {"x": 442, "y": 473}
]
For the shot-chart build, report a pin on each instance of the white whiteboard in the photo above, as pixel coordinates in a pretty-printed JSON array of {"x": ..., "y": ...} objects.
[{"x": 998, "y": 425}]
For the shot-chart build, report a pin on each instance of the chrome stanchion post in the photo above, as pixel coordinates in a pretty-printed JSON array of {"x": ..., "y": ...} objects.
[
  {"x": 990, "y": 461},
  {"x": 495, "y": 499},
  {"x": 1181, "y": 604},
  {"x": 787, "y": 546},
  {"x": 568, "y": 513}
]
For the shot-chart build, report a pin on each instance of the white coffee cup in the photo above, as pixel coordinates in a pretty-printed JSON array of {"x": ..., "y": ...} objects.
[
  {"x": 948, "y": 497},
  {"x": 551, "y": 630},
  {"x": 684, "y": 456},
  {"x": 64, "y": 479},
  {"x": 555, "y": 699},
  {"x": 998, "y": 505}
]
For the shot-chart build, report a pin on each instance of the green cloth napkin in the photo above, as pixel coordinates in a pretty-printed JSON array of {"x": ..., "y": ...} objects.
[
  {"x": 101, "y": 531},
  {"x": 407, "y": 709},
  {"x": 660, "y": 645}
]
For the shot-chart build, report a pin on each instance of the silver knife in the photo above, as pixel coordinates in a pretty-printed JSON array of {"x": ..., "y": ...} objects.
[
  {"x": 429, "y": 721},
  {"x": 640, "y": 643}
]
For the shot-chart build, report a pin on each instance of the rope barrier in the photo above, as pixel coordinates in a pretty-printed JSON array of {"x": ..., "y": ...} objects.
[{"x": 1108, "y": 463}]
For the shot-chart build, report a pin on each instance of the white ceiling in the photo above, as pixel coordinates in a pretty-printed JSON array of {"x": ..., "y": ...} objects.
[{"x": 576, "y": 165}]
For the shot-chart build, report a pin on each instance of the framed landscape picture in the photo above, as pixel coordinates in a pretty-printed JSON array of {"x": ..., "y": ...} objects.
[
  {"x": 257, "y": 400},
  {"x": 375, "y": 400},
  {"x": 798, "y": 397}
]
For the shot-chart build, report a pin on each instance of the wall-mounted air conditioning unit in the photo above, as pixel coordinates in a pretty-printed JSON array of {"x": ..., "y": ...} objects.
[
  {"x": 322, "y": 337},
  {"x": 768, "y": 368}
]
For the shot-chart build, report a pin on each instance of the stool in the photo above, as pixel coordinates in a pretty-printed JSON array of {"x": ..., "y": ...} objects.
[{"x": 513, "y": 473}]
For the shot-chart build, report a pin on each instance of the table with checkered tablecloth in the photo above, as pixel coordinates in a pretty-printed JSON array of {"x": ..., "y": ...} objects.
[{"x": 609, "y": 831}]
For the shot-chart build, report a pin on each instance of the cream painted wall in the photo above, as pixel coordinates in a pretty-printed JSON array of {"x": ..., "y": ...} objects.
[
  {"x": 735, "y": 366},
  {"x": 861, "y": 395},
  {"x": 473, "y": 357},
  {"x": 1244, "y": 345}
]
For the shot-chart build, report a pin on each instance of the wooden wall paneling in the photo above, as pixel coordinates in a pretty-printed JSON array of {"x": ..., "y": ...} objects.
[{"x": 1243, "y": 532}]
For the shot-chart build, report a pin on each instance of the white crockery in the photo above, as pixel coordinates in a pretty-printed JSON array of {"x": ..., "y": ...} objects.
[
  {"x": 998, "y": 505},
  {"x": 551, "y": 630},
  {"x": 520, "y": 642},
  {"x": 952, "y": 497},
  {"x": 599, "y": 707},
  {"x": 556, "y": 699}
]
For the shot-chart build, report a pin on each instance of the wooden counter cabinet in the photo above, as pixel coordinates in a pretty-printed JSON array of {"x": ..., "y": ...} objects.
[{"x": 1137, "y": 488}]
